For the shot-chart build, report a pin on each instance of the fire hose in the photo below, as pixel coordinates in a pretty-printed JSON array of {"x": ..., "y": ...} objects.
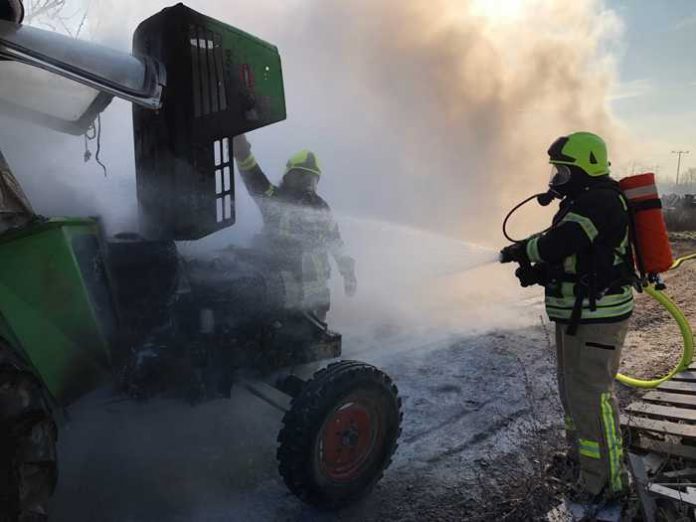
[
  {"x": 684, "y": 327},
  {"x": 681, "y": 260}
]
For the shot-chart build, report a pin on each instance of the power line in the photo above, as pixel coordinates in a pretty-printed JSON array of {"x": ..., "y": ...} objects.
[{"x": 679, "y": 155}]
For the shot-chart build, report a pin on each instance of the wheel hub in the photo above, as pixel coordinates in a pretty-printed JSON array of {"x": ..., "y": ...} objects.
[{"x": 348, "y": 439}]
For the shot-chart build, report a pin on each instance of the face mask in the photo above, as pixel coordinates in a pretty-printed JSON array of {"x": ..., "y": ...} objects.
[
  {"x": 560, "y": 176},
  {"x": 299, "y": 181}
]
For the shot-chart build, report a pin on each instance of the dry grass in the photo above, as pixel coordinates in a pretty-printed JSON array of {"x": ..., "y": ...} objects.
[{"x": 530, "y": 482}]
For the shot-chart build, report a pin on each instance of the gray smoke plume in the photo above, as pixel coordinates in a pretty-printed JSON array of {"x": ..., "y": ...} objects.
[{"x": 434, "y": 115}]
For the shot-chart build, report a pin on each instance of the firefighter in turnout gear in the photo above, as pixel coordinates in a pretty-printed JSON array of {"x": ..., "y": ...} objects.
[
  {"x": 585, "y": 263},
  {"x": 299, "y": 230}
]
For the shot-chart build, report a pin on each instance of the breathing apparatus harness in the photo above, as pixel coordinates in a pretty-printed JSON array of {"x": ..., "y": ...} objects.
[
  {"x": 589, "y": 284},
  {"x": 647, "y": 255}
]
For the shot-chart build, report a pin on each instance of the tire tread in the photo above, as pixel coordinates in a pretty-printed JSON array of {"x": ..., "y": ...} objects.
[{"x": 307, "y": 412}]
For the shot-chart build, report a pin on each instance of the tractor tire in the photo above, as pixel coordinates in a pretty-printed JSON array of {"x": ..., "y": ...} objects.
[
  {"x": 28, "y": 437},
  {"x": 340, "y": 434}
]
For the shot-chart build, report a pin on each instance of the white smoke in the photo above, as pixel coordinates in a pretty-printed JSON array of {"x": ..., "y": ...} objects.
[
  {"x": 431, "y": 117},
  {"x": 434, "y": 114}
]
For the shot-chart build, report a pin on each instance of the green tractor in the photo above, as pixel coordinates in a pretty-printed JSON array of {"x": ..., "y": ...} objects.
[{"x": 79, "y": 309}]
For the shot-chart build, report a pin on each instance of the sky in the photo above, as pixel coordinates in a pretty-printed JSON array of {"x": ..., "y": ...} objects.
[{"x": 654, "y": 97}]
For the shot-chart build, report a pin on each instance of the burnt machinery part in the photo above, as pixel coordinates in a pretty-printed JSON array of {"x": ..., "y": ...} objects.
[
  {"x": 221, "y": 82},
  {"x": 205, "y": 317},
  {"x": 28, "y": 437},
  {"x": 236, "y": 285},
  {"x": 340, "y": 434},
  {"x": 144, "y": 276}
]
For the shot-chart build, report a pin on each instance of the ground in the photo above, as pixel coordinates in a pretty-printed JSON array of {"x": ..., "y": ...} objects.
[{"x": 481, "y": 424}]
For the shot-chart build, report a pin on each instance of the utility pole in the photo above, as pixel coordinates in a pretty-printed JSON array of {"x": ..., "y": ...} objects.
[{"x": 679, "y": 155}]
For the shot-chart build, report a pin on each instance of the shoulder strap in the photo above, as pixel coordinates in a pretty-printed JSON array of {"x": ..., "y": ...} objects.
[{"x": 632, "y": 257}]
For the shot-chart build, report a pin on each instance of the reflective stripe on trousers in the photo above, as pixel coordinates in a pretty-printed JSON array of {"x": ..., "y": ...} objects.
[
  {"x": 587, "y": 365},
  {"x": 614, "y": 443},
  {"x": 589, "y": 448}
]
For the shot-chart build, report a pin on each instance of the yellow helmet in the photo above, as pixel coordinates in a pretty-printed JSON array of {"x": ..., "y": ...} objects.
[
  {"x": 583, "y": 149},
  {"x": 304, "y": 160}
]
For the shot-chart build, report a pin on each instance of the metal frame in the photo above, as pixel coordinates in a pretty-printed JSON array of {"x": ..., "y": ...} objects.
[
  {"x": 154, "y": 73},
  {"x": 42, "y": 49}
]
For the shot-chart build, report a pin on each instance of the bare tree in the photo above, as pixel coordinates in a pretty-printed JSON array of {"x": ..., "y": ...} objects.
[
  {"x": 43, "y": 11},
  {"x": 53, "y": 15}
]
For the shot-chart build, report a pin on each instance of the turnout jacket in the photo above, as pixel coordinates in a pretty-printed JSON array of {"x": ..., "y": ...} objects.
[
  {"x": 299, "y": 231},
  {"x": 587, "y": 256}
]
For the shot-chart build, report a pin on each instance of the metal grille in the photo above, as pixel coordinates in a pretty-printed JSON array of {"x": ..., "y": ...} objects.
[
  {"x": 209, "y": 93},
  {"x": 224, "y": 192},
  {"x": 185, "y": 177}
]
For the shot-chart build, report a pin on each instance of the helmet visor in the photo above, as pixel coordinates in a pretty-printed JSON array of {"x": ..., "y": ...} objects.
[{"x": 560, "y": 175}]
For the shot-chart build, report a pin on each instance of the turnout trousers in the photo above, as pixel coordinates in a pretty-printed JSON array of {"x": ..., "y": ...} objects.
[{"x": 587, "y": 365}]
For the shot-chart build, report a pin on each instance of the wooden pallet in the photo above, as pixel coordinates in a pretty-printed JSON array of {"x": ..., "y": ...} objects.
[{"x": 661, "y": 430}]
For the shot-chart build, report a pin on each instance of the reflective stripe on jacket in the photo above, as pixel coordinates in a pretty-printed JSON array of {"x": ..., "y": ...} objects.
[
  {"x": 587, "y": 245},
  {"x": 299, "y": 230}
]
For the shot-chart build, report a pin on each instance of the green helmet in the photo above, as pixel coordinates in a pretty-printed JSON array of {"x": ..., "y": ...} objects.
[
  {"x": 304, "y": 160},
  {"x": 582, "y": 149}
]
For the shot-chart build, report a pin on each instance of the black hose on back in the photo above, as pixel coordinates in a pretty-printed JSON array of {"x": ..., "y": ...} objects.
[{"x": 539, "y": 197}]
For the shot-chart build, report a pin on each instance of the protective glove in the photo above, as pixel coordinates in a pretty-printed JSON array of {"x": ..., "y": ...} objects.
[
  {"x": 241, "y": 148},
  {"x": 516, "y": 252},
  {"x": 530, "y": 275}
]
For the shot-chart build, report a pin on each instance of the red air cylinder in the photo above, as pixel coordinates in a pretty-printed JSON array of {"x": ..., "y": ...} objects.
[{"x": 651, "y": 241}]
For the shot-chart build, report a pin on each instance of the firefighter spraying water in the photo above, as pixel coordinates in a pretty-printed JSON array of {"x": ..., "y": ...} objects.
[
  {"x": 587, "y": 260},
  {"x": 583, "y": 261}
]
